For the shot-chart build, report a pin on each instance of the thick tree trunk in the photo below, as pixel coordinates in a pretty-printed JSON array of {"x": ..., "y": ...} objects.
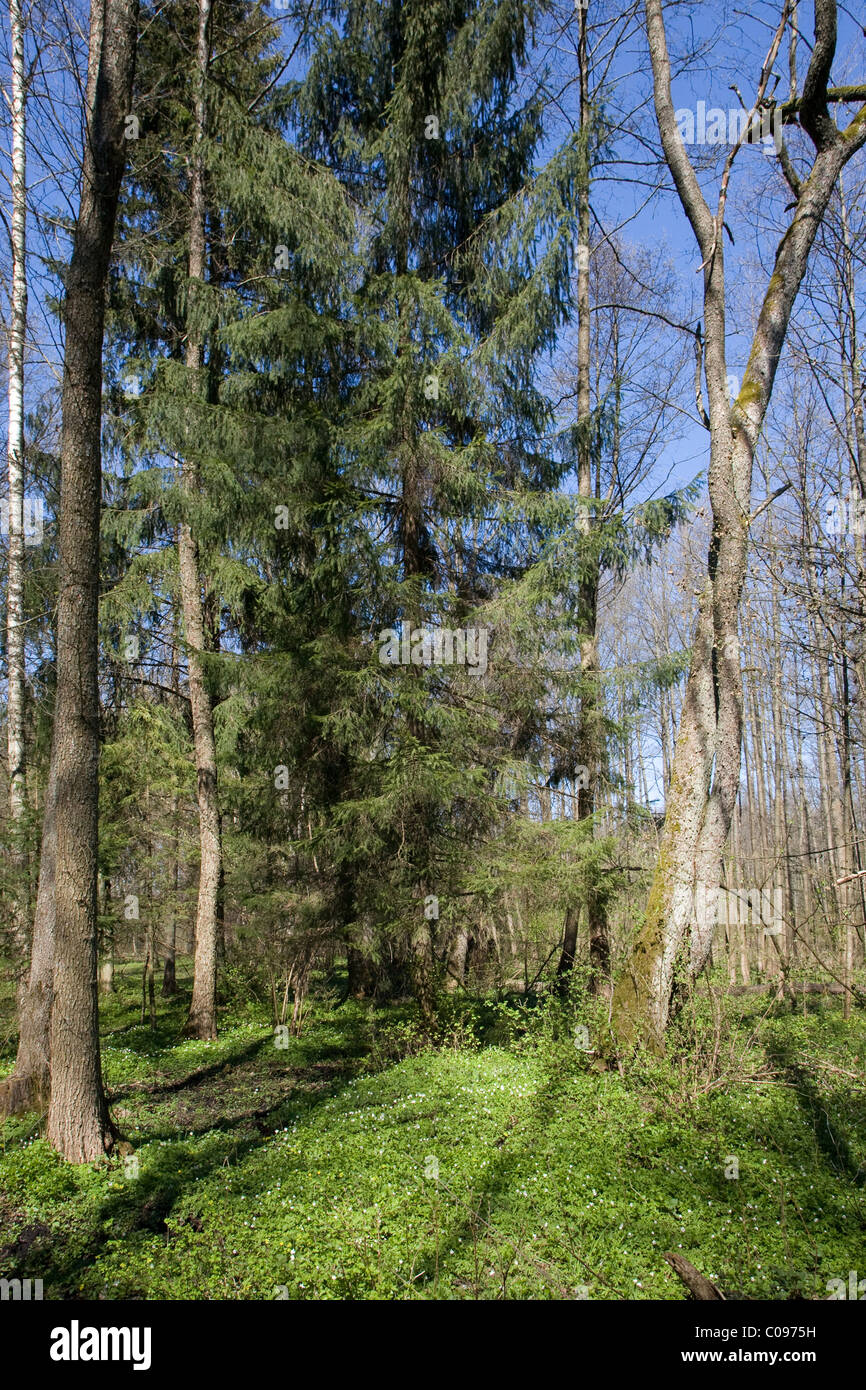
[
  {"x": 684, "y": 893},
  {"x": 28, "y": 1087},
  {"x": 15, "y": 467},
  {"x": 78, "y": 1122},
  {"x": 202, "y": 1014}
]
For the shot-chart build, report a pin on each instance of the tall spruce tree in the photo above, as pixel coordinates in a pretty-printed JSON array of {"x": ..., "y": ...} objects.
[
  {"x": 427, "y": 116},
  {"x": 215, "y": 203}
]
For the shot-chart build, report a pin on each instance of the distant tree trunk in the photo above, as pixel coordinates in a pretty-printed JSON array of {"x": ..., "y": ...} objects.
[
  {"x": 826, "y": 766},
  {"x": 78, "y": 1122},
  {"x": 736, "y": 881},
  {"x": 759, "y": 802},
  {"x": 361, "y": 982},
  {"x": 202, "y": 1014},
  {"x": 15, "y": 467},
  {"x": 665, "y": 742},
  {"x": 422, "y": 964},
  {"x": 415, "y": 565},
  {"x": 421, "y": 933},
  {"x": 362, "y": 975},
  {"x": 148, "y": 994},
  {"x": 569, "y": 942},
  {"x": 849, "y": 889},
  {"x": 169, "y": 974},
  {"x": 706, "y": 766},
  {"x": 805, "y": 850},
  {"x": 106, "y": 969},
  {"x": 148, "y": 1001},
  {"x": 169, "y": 978},
  {"x": 590, "y": 739},
  {"x": 781, "y": 837},
  {"x": 221, "y": 943},
  {"x": 456, "y": 964},
  {"x": 857, "y": 469}
]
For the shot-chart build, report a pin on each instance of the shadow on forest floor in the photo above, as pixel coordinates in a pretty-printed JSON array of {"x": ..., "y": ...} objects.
[
  {"x": 193, "y": 1125},
  {"x": 829, "y": 1132}
]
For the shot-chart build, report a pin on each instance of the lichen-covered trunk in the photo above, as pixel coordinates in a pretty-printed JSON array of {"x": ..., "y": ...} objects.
[{"x": 684, "y": 892}]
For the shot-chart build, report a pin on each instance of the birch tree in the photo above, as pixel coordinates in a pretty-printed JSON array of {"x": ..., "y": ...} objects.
[
  {"x": 15, "y": 464},
  {"x": 28, "y": 1085}
]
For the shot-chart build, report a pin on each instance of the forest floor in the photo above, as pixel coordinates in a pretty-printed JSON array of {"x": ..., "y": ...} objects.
[{"x": 358, "y": 1163}]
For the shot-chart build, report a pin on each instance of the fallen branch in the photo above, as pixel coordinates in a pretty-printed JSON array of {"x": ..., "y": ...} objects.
[
  {"x": 699, "y": 1286},
  {"x": 791, "y": 987}
]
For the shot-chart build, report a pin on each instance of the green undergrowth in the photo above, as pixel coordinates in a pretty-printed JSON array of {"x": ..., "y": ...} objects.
[{"x": 498, "y": 1161}]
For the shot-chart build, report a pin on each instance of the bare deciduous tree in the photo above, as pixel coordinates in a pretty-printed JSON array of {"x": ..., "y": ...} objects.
[{"x": 706, "y": 767}]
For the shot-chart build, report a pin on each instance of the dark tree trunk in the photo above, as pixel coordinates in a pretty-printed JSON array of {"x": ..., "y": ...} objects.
[
  {"x": 78, "y": 1122},
  {"x": 599, "y": 948},
  {"x": 455, "y": 972},
  {"x": 569, "y": 943}
]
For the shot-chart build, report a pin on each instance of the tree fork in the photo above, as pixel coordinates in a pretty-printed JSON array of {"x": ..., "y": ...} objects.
[{"x": 705, "y": 774}]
